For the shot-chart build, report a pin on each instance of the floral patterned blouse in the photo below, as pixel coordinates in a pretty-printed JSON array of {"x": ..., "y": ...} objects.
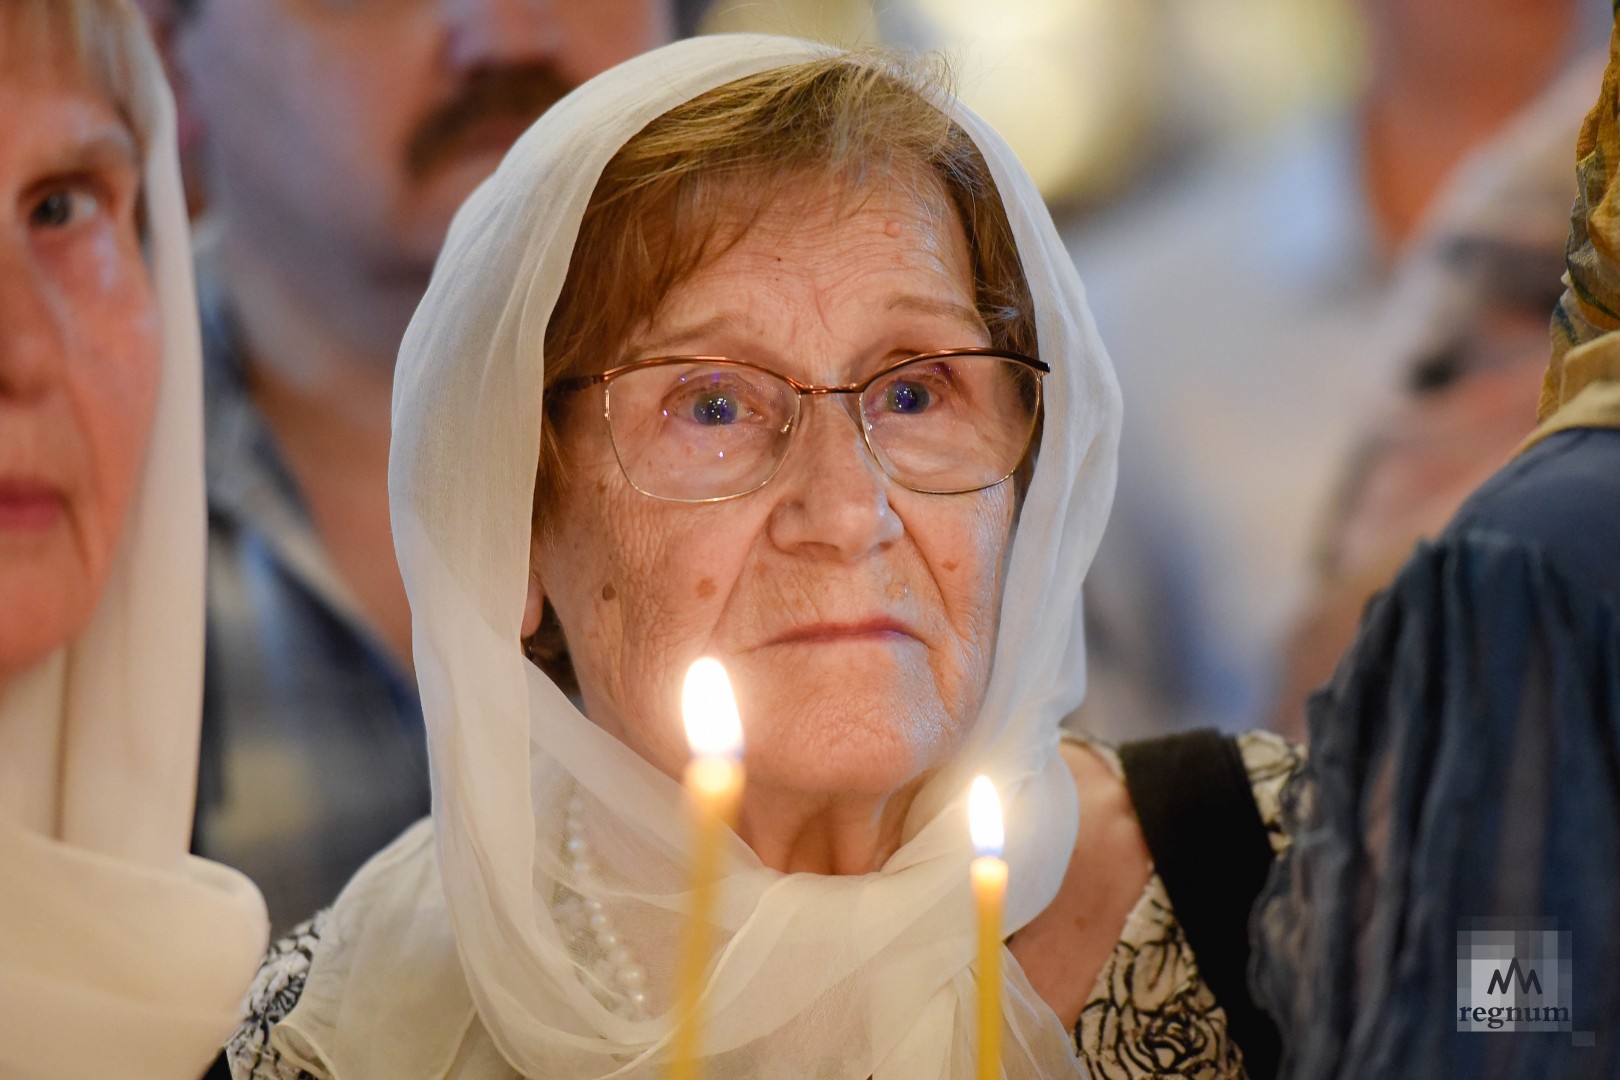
[{"x": 1150, "y": 1014}]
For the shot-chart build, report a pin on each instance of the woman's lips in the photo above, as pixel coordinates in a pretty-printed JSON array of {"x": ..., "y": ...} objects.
[
  {"x": 29, "y": 506},
  {"x": 834, "y": 632}
]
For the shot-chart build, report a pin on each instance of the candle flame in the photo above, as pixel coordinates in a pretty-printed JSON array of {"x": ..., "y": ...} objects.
[
  {"x": 984, "y": 817},
  {"x": 709, "y": 710}
]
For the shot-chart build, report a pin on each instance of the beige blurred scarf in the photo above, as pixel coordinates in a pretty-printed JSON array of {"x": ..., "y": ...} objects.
[
  {"x": 1582, "y": 388},
  {"x": 120, "y": 953}
]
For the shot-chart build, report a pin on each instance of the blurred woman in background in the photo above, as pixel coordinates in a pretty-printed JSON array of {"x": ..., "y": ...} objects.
[{"x": 120, "y": 954}]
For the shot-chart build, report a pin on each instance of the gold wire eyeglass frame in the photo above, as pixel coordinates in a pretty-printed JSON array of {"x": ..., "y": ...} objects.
[{"x": 801, "y": 391}]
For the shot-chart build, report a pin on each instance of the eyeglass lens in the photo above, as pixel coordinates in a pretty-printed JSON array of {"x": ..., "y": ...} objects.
[{"x": 694, "y": 431}]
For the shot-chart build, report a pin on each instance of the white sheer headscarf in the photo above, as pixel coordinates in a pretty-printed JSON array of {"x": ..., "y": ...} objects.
[
  {"x": 836, "y": 977},
  {"x": 120, "y": 953}
]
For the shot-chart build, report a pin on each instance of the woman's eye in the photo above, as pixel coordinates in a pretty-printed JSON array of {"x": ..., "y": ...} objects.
[
  {"x": 715, "y": 409},
  {"x": 64, "y": 207},
  {"x": 906, "y": 398}
]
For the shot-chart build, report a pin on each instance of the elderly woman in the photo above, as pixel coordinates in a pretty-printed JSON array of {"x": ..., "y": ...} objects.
[
  {"x": 119, "y": 953},
  {"x": 763, "y": 351}
]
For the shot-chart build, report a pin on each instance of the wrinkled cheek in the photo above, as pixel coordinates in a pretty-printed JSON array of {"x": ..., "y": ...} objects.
[
  {"x": 981, "y": 583},
  {"x": 999, "y": 530},
  {"x": 654, "y": 639},
  {"x": 630, "y": 615},
  {"x": 661, "y": 635},
  {"x": 134, "y": 372},
  {"x": 121, "y": 336},
  {"x": 117, "y": 391}
]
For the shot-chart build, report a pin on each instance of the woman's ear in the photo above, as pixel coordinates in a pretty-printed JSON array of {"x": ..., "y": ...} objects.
[{"x": 533, "y": 605}]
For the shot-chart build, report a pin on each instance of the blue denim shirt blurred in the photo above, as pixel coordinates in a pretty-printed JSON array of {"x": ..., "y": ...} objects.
[{"x": 313, "y": 753}]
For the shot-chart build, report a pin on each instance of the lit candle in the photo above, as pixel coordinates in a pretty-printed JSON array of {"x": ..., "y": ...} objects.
[
  {"x": 714, "y": 781},
  {"x": 989, "y": 893}
]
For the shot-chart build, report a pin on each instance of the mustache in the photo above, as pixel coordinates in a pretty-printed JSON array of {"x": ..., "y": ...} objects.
[{"x": 490, "y": 98}]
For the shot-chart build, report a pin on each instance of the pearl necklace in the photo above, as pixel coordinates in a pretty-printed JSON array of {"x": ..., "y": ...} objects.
[{"x": 621, "y": 982}]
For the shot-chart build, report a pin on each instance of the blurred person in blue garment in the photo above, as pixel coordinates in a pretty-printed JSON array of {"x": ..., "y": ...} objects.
[
  {"x": 337, "y": 139},
  {"x": 1242, "y": 304}
]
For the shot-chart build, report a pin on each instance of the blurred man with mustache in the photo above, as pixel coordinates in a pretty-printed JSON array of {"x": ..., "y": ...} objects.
[{"x": 336, "y": 139}]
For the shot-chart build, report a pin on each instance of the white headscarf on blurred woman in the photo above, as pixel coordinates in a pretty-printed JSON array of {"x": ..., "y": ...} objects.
[{"x": 120, "y": 953}]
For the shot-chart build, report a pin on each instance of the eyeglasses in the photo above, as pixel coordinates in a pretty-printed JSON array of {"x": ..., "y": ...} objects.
[{"x": 707, "y": 428}]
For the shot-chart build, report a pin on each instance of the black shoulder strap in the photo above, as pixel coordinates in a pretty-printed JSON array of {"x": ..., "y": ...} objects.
[{"x": 1198, "y": 815}]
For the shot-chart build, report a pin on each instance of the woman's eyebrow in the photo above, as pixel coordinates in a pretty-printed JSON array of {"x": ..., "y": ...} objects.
[
  {"x": 933, "y": 305},
  {"x": 111, "y": 148},
  {"x": 669, "y": 343}
]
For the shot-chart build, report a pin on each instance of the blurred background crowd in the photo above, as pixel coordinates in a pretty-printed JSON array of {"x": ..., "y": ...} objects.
[{"x": 1321, "y": 238}]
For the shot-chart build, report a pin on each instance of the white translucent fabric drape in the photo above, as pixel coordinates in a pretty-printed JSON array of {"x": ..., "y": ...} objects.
[
  {"x": 829, "y": 977},
  {"x": 120, "y": 953}
]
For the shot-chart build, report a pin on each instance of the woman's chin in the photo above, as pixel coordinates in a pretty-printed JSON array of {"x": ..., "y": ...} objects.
[
  {"x": 846, "y": 739},
  {"x": 44, "y": 605}
]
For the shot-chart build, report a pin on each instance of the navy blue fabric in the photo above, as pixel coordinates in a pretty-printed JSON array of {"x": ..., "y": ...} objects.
[
  {"x": 1562, "y": 497},
  {"x": 1464, "y": 763},
  {"x": 314, "y": 755}
]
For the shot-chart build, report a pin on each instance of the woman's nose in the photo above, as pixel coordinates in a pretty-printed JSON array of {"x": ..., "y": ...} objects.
[
  {"x": 833, "y": 497},
  {"x": 504, "y": 33},
  {"x": 31, "y": 337}
]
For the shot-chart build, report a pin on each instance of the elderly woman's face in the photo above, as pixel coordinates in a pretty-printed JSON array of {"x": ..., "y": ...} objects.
[
  {"x": 857, "y": 618},
  {"x": 79, "y": 349}
]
